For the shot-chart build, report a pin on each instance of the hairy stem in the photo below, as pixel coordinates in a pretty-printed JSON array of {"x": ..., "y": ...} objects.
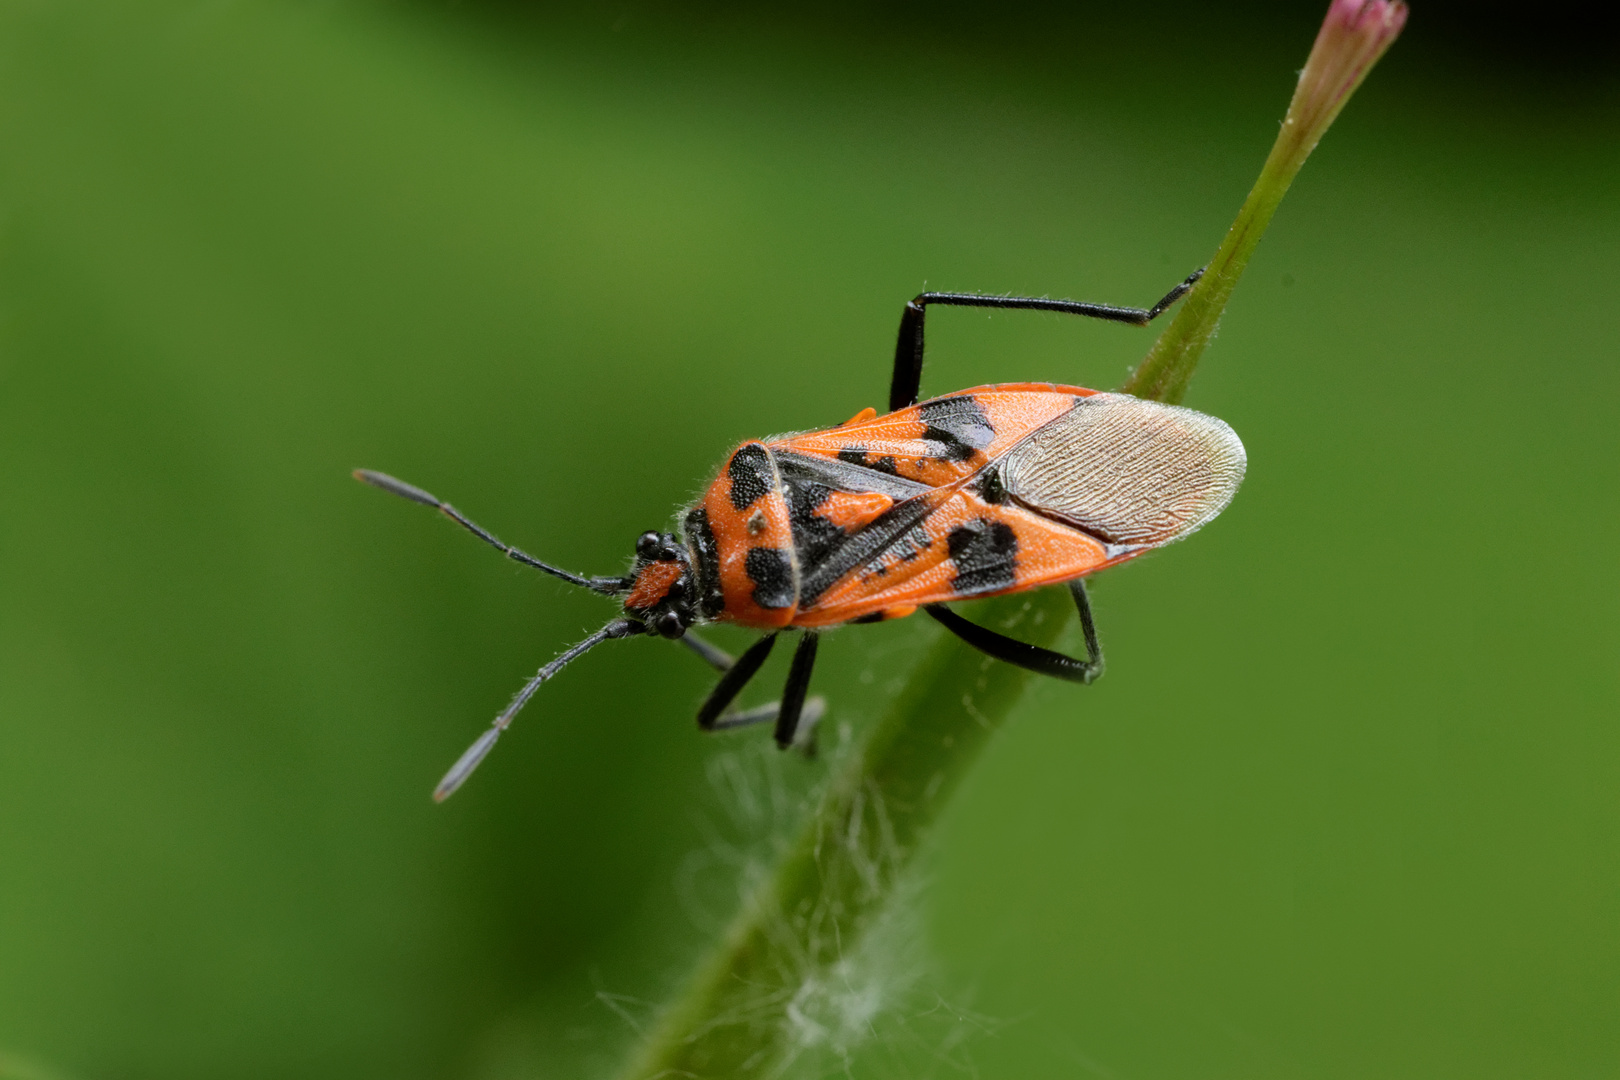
[{"x": 833, "y": 881}]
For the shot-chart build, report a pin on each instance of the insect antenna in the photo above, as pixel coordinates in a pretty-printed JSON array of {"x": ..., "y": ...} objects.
[
  {"x": 609, "y": 586},
  {"x": 486, "y": 742}
]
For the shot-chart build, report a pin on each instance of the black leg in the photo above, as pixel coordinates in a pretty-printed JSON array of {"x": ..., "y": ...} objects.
[
  {"x": 732, "y": 682},
  {"x": 908, "y": 352},
  {"x": 798, "y": 684},
  {"x": 813, "y": 710},
  {"x": 722, "y": 661},
  {"x": 1088, "y": 629},
  {"x": 1032, "y": 657},
  {"x": 715, "y": 656}
]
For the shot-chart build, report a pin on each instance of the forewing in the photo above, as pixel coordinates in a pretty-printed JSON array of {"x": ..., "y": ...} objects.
[
  {"x": 992, "y": 490},
  {"x": 937, "y": 442},
  {"x": 947, "y": 545},
  {"x": 1128, "y": 471}
]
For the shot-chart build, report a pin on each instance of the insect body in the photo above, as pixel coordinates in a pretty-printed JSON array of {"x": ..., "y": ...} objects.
[{"x": 987, "y": 491}]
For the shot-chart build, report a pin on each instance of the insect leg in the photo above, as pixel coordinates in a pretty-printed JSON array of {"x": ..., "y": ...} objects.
[
  {"x": 908, "y": 351},
  {"x": 1032, "y": 657},
  {"x": 610, "y": 586},
  {"x": 814, "y": 709},
  {"x": 1082, "y": 604},
  {"x": 798, "y": 683},
  {"x": 732, "y": 682},
  {"x": 715, "y": 656}
]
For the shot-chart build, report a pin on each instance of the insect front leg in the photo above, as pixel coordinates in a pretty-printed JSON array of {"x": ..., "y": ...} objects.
[
  {"x": 795, "y": 716},
  {"x": 798, "y": 684},
  {"x": 713, "y": 655},
  {"x": 908, "y": 351},
  {"x": 1027, "y": 656},
  {"x": 804, "y": 737},
  {"x": 732, "y": 682}
]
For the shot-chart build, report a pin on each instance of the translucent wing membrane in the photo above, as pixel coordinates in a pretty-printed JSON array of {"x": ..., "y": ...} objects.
[{"x": 1126, "y": 470}]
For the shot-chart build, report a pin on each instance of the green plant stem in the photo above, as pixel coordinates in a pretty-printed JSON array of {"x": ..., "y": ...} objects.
[
  {"x": 1168, "y": 367},
  {"x": 833, "y": 881}
]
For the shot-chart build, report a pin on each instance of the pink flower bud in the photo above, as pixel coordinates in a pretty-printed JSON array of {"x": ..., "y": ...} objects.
[{"x": 1353, "y": 36}]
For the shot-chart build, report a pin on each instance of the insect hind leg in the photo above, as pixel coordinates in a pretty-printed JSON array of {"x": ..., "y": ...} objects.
[
  {"x": 1027, "y": 656},
  {"x": 906, "y": 380}
]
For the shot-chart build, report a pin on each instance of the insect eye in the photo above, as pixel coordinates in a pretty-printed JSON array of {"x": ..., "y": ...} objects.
[
  {"x": 669, "y": 552},
  {"x": 648, "y": 545},
  {"x": 670, "y": 625}
]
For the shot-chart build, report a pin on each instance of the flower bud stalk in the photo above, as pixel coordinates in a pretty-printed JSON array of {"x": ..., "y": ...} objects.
[{"x": 1353, "y": 36}]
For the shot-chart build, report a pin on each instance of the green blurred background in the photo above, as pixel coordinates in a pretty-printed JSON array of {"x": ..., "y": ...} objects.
[{"x": 1345, "y": 806}]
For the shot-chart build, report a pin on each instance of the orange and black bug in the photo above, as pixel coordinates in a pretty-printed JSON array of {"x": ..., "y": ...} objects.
[{"x": 987, "y": 491}]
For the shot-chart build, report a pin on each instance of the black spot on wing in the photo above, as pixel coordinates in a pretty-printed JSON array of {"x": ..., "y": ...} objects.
[
  {"x": 859, "y": 455},
  {"x": 958, "y": 424},
  {"x": 705, "y": 562},
  {"x": 751, "y": 476},
  {"x": 814, "y": 537},
  {"x": 772, "y": 575},
  {"x": 986, "y": 555},
  {"x": 990, "y": 488}
]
